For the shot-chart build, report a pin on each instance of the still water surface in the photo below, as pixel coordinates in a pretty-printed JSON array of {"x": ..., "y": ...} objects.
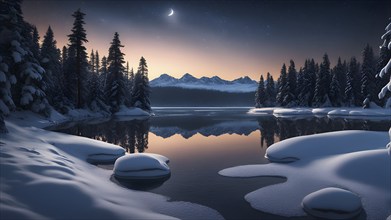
[{"x": 202, "y": 141}]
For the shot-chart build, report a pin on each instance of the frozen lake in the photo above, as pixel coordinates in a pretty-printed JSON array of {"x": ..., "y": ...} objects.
[{"x": 202, "y": 141}]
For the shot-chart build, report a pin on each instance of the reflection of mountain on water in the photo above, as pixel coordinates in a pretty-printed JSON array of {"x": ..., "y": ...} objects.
[{"x": 231, "y": 127}]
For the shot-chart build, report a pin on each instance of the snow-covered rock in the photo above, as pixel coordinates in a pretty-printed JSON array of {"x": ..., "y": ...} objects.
[
  {"x": 332, "y": 203},
  {"x": 141, "y": 166}
]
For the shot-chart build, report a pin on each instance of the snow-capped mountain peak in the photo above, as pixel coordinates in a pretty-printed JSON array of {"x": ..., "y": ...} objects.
[{"x": 188, "y": 81}]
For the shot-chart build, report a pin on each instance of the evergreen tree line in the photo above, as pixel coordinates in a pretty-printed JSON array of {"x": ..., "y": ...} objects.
[
  {"x": 318, "y": 85},
  {"x": 36, "y": 76}
]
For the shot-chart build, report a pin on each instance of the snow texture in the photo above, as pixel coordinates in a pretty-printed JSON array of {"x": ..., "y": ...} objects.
[
  {"x": 332, "y": 203},
  {"x": 141, "y": 166},
  {"x": 44, "y": 175},
  {"x": 325, "y": 144},
  {"x": 365, "y": 173}
]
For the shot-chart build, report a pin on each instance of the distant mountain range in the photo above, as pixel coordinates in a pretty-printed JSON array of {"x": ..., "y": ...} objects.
[{"x": 187, "y": 81}]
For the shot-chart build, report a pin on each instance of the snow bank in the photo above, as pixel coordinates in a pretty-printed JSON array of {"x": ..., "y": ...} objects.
[
  {"x": 365, "y": 173},
  {"x": 44, "y": 175},
  {"x": 141, "y": 166},
  {"x": 332, "y": 203},
  {"x": 331, "y": 143},
  {"x": 262, "y": 111},
  {"x": 333, "y": 112},
  {"x": 125, "y": 111}
]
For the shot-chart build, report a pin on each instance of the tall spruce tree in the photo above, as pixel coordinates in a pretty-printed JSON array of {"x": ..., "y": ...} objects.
[
  {"x": 54, "y": 79},
  {"x": 349, "y": 93},
  {"x": 91, "y": 63},
  {"x": 385, "y": 72},
  {"x": 384, "y": 58},
  {"x": 103, "y": 73},
  {"x": 76, "y": 66},
  {"x": 64, "y": 57},
  {"x": 335, "y": 90},
  {"x": 322, "y": 85},
  {"x": 282, "y": 81},
  {"x": 21, "y": 74},
  {"x": 97, "y": 65},
  {"x": 340, "y": 73},
  {"x": 290, "y": 95},
  {"x": 368, "y": 68},
  {"x": 307, "y": 89},
  {"x": 354, "y": 81},
  {"x": 270, "y": 91},
  {"x": 141, "y": 89},
  {"x": 115, "y": 85},
  {"x": 35, "y": 42},
  {"x": 260, "y": 95}
]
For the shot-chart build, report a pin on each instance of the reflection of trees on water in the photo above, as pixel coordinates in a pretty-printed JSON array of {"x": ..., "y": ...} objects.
[
  {"x": 131, "y": 135},
  {"x": 275, "y": 129}
]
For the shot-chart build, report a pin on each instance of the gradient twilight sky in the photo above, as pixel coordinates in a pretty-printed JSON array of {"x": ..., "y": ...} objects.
[{"x": 230, "y": 39}]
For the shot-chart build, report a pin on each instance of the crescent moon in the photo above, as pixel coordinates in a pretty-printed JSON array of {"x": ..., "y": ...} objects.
[{"x": 171, "y": 13}]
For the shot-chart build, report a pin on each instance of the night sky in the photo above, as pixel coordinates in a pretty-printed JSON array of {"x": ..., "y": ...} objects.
[{"x": 225, "y": 38}]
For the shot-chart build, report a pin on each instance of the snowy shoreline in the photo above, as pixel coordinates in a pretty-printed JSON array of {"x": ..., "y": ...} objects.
[
  {"x": 45, "y": 175},
  {"x": 357, "y": 162},
  {"x": 354, "y": 112}
]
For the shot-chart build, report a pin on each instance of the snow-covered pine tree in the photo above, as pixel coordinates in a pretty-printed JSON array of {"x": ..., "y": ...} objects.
[
  {"x": 260, "y": 95},
  {"x": 306, "y": 89},
  {"x": 270, "y": 91},
  {"x": 335, "y": 89},
  {"x": 96, "y": 99},
  {"x": 322, "y": 85},
  {"x": 64, "y": 57},
  {"x": 386, "y": 70},
  {"x": 131, "y": 80},
  {"x": 20, "y": 72},
  {"x": 53, "y": 77},
  {"x": 368, "y": 76},
  {"x": 103, "y": 73},
  {"x": 97, "y": 65},
  {"x": 349, "y": 99},
  {"x": 353, "y": 90},
  {"x": 299, "y": 83},
  {"x": 35, "y": 42},
  {"x": 115, "y": 86},
  {"x": 141, "y": 89},
  {"x": 290, "y": 98},
  {"x": 340, "y": 71},
  {"x": 91, "y": 63},
  {"x": 76, "y": 66},
  {"x": 282, "y": 81}
]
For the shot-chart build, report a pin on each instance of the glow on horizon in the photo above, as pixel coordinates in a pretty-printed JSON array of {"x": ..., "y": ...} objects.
[
  {"x": 174, "y": 45},
  {"x": 168, "y": 51},
  {"x": 174, "y": 56}
]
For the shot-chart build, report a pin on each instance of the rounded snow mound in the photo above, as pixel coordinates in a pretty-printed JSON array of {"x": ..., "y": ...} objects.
[
  {"x": 332, "y": 203},
  {"x": 325, "y": 144},
  {"x": 141, "y": 166}
]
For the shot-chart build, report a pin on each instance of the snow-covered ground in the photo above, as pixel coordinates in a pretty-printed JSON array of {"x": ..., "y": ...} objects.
[
  {"x": 354, "y": 112},
  {"x": 355, "y": 161},
  {"x": 45, "y": 175}
]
